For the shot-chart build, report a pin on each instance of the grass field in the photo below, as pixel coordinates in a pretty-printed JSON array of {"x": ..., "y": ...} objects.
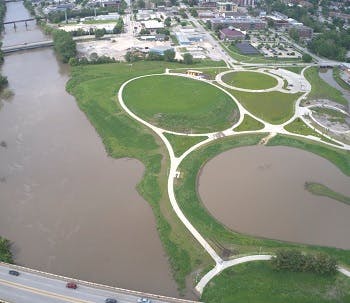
[
  {"x": 249, "y": 80},
  {"x": 249, "y": 123},
  {"x": 322, "y": 90},
  {"x": 322, "y": 190},
  {"x": 180, "y": 104},
  {"x": 274, "y": 107},
  {"x": 182, "y": 143},
  {"x": 257, "y": 282}
]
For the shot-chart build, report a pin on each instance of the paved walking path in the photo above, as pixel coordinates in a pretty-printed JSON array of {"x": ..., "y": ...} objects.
[{"x": 220, "y": 264}]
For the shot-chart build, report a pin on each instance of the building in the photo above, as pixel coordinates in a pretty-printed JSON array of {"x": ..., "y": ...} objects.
[
  {"x": 304, "y": 32},
  {"x": 152, "y": 25},
  {"x": 194, "y": 73},
  {"x": 242, "y": 23},
  {"x": 230, "y": 34},
  {"x": 245, "y": 3},
  {"x": 188, "y": 36},
  {"x": 226, "y": 7},
  {"x": 160, "y": 49},
  {"x": 110, "y": 3}
]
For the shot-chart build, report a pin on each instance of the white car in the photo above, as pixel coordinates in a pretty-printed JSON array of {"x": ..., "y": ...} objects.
[{"x": 144, "y": 300}]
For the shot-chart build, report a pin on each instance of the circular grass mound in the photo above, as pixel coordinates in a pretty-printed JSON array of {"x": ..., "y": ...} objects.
[
  {"x": 249, "y": 80},
  {"x": 180, "y": 104}
]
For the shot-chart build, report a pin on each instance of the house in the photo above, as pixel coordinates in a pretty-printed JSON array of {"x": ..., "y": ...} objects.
[{"x": 230, "y": 34}]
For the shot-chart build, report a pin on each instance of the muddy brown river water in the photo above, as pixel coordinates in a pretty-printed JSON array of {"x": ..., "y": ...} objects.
[
  {"x": 67, "y": 207},
  {"x": 260, "y": 191}
]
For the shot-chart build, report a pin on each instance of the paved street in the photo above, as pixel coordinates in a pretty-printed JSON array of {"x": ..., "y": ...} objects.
[{"x": 34, "y": 288}]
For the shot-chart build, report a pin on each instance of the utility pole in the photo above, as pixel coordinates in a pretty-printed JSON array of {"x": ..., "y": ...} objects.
[{"x": 65, "y": 15}]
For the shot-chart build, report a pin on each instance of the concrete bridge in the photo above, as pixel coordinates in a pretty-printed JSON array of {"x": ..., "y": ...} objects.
[
  {"x": 26, "y": 46},
  {"x": 33, "y": 286}
]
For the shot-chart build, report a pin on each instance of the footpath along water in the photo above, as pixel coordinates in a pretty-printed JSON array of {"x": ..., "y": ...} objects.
[{"x": 67, "y": 207}]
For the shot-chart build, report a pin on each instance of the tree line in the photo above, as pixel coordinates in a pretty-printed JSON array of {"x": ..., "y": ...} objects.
[{"x": 296, "y": 261}]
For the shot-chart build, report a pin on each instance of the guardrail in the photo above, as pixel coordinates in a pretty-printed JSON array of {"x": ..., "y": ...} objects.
[{"x": 96, "y": 285}]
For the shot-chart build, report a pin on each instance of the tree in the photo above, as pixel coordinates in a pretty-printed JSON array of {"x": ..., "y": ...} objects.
[
  {"x": 140, "y": 4},
  {"x": 64, "y": 45},
  {"x": 119, "y": 26},
  {"x": 193, "y": 12},
  {"x": 188, "y": 58},
  {"x": 100, "y": 32},
  {"x": 169, "y": 55},
  {"x": 167, "y": 22},
  {"x": 208, "y": 24},
  {"x": 306, "y": 58},
  {"x": 294, "y": 34}
]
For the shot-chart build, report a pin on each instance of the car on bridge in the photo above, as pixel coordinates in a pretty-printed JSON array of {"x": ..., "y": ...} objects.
[
  {"x": 144, "y": 300},
  {"x": 111, "y": 300},
  {"x": 72, "y": 285},
  {"x": 14, "y": 272}
]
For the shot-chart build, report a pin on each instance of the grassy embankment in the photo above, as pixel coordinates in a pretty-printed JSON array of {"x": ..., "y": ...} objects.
[
  {"x": 299, "y": 127},
  {"x": 322, "y": 190},
  {"x": 5, "y": 251},
  {"x": 322, "y": 90},
  {"x": 182, "y": 143},
  {"x": 257, "y": 282},
  {"x": 249, "y": 80},
  {"x": 273, "y": 107},
  {"x": 249, "y": 124},
  {"x": 95, "y": 88},
  {"x": 294, "y": 69},
  {"x": 181, "y": 104},
  {"x": 339, "y": 80},
  {"x": 223, "y": 238},
  {"x": 333, "y": 115}
]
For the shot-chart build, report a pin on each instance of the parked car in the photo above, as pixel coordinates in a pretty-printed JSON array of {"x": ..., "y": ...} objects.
[
  {"x": 144, "y": 300},
  {"x": 14, "y": 272},
  {"x": 111, "y": 300},
  {"x": 72, "y": 285}
]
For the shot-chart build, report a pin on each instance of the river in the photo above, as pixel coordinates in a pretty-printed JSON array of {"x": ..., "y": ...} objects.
[
  {"x": 67, "y": 207},
  {"x": 260, "y": 191}
]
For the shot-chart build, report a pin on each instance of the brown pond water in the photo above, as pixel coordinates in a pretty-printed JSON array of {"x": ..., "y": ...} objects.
[
  {"x": 260, "y": 191},
  {"x": 67, "y": 207}
]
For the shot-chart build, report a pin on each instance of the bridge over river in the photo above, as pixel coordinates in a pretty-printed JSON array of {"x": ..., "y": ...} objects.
[{"x": 33, "y": 286}]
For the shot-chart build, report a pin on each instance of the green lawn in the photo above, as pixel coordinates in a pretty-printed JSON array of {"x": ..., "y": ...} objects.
[
  {"x": 322, "y": 190},
  {"x": 181, "y": 104},
  {"x": 249, "y": 80},
  {"x": 257, "y": 282},
  {"x": 274, "y": 107},
  {"x": 249, "y": 123},
  {"x": 322, "y": 90},
  {"x": 182, "y": 143}
]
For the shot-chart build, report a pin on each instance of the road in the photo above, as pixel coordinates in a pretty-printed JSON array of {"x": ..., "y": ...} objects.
[
  {"x": 30, "y": 287},
  {"x": 224, "y": 55}
]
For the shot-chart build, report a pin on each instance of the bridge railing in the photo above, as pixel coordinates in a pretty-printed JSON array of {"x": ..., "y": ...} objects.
[{"x": 96, "y": 285}]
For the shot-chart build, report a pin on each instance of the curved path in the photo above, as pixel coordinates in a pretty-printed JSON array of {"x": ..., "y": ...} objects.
[
  {"x": 279, "y": 85},
  {"x": 220, "y": 264}
]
